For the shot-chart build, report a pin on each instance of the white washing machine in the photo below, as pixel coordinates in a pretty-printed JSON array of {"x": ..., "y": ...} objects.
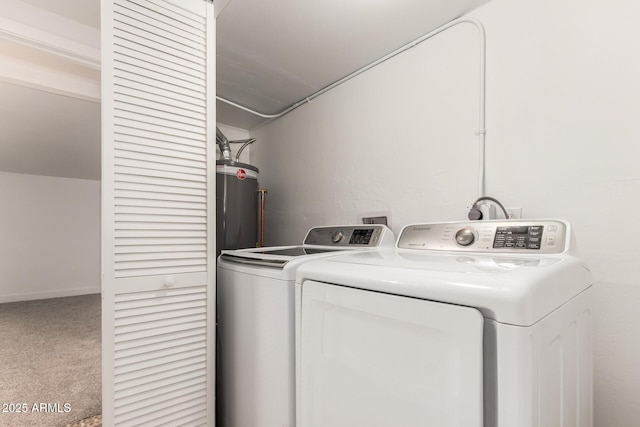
[
  {"x": 255, "y": 298},
  {"x": 480, "y": 324}
]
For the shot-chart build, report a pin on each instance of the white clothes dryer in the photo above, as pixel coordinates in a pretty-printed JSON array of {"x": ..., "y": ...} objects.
[
  {"x": 479, "y": 324},
  {"x": 255, "y": 307}
]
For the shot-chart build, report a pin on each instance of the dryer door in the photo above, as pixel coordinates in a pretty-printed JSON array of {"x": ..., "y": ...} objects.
[{"x": 379, "y": 360}]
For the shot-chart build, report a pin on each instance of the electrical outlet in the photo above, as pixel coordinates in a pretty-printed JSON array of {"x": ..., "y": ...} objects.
[
  {"x": 375, "y": 220},
  {"x": 514, "y": 213},
  {"x": 379, "y": 217}
]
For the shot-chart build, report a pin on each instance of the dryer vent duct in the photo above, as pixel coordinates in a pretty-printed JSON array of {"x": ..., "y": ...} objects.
[
  {"x": 225, "y": 148},
  {"x": 223, "y": 142}
]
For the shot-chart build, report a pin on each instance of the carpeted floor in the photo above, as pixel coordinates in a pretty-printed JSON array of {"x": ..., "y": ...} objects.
[
  {"x": 50, "y": 361},
  {"x": 88, "y": 422}
]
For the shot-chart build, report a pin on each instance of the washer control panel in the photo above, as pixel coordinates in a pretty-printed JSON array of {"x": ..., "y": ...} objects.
[
  {"x": 370, "y": 235},
  {"x": 530, "y": 236}
]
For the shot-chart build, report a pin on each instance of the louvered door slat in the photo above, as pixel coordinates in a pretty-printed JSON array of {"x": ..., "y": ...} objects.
[
  {"x": 130, "y": 312},
  {"x": 122, "y": 119},
  {"x": 150, "y": 203},
  {"x": 162, "y": 140},
  {"x": 155, "y": 258},
  {"x": 159, "y": 397},
  {"x": 159, "y": 389},
  {"x": 159, "y": 297},
  {"x": 160, "y": 74},
  {"x": 182, "y": 366},
  {"x": 165, "y": 225},
  {"x": 158, "y": 163},
  {"x": 127, "y": 93},
  {"x": 162, "y": 375},
  {"x": 163, "y": 63},
  {"x": 194, "y": 420},
  {"x": 186, "y": 14},
  {"x": 193, "y": 32},
  {"x": 154, "y": 110},
  {"x": 125, "y": 144},
  {"x": 144, "y": 367},
  {"x": 126, "y": 208},
  {"x": 140, "y": 82},
  {"x": 160, "y": 178},
  {"x": 144, "y": 218},
  {"x": 149, "y": 269},
  {"x": 125, "y": 235},
  {"x": 185, "y": 69},
  {"x": 159, "y": 373},
  {"x": 154, "y": 412},
  {"x": 160, "y": 345},
  {"x": 150, "y": 198},
  {"x": 164, "y": 93},
  {"x": 157, "y": 417},
  {"x": 160, "y": 39},
  {"x": 155, "y": 27},
  {"x": 170, "y": 248},
  {"x": 132, "y": 185},
  {"x": 132, "y": 242},
  {"x": 137, "y": 98},
  {"x": 141, "y": 300},
  {"x": 140, "y": 103},
  {"x": 170, "y": 123},
  {"x": 170, "y": 51},
  {"x": 160, "y": 353}
]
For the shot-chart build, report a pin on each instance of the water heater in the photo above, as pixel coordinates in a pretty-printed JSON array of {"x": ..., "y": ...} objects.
[{"x": 236, "y": 205}]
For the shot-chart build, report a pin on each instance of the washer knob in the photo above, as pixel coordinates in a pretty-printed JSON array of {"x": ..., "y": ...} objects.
[
  {"x": 337, "y": 236},
  {"x": 465, "y": 236}
]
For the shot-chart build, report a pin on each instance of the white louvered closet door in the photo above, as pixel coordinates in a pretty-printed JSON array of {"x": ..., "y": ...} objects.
[{"x": 158, "y": 207}]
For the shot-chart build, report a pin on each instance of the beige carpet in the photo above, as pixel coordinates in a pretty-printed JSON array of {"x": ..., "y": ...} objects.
[
  {"x": 88, "y": 422},
  {"x": 50, "y": 361}
]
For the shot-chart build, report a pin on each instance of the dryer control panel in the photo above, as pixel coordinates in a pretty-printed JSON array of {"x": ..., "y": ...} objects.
[{"x": 530, "y": 236}]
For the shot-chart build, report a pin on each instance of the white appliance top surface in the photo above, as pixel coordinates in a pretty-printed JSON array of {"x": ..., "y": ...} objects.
[
  {"x": 510, "y": 288},
  {"x": 282, "y": 261}
]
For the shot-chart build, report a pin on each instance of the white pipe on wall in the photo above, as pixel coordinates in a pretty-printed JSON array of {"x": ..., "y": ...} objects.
[{"x": 481, "y": 132}]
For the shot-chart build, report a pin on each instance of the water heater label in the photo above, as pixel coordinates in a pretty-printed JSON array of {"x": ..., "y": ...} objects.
[{"x": 241, "y": 174}]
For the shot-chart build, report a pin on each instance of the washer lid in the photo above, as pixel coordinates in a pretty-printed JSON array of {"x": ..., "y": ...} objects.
[
  {"x": 320, "y": 241},
  {"x": 517, "y": 289},
  {"x": 273, "y": 256},
  {"x": 279, "y": 262}
]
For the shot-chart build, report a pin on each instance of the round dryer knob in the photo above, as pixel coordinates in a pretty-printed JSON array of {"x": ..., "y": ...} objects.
[
  {"x": 337, "y": 236},
  {"x": 465, "y": 236}
]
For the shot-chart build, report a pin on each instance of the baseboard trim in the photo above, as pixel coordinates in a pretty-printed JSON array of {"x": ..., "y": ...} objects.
[{"x": 49, "y": 294}]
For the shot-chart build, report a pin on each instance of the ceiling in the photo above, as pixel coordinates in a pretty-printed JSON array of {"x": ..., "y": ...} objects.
[{"x": 270, "y": 54}]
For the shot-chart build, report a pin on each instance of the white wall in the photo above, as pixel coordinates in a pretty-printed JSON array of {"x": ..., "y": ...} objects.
[
  {"x": 50, "y": 245},
  {"x": 395, "y": 138},
  {"x": 563, "y": 106}
]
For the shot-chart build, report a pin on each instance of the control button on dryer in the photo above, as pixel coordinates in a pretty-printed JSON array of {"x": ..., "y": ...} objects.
[
  {"x": 465, "y": 236},
  {"x": 551, "y": 240}
]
